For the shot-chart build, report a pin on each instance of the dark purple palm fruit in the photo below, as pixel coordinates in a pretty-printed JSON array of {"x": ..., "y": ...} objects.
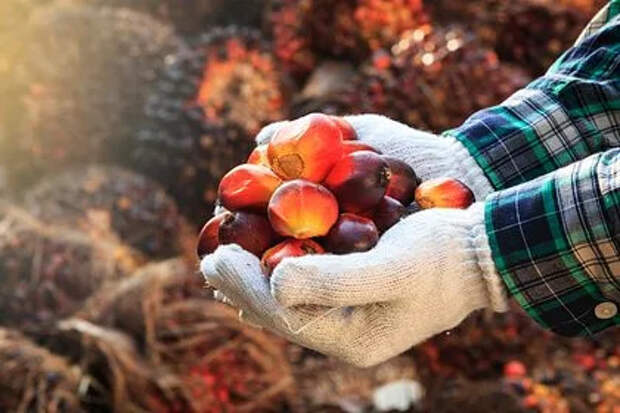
[
  {"x": 359, "y": 181},
  {"x": 85, "y": 73},
  {"x": 434, "y": 78},
  {"x": 351, "y": 233},
  {"x": 128, "y": 206},
  {"x": 387, "y": 213},
  {"x": 203, "y": 113}
]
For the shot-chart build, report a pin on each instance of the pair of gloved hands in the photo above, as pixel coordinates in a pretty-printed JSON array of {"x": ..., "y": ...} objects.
[{"x": 426, "y": 274}]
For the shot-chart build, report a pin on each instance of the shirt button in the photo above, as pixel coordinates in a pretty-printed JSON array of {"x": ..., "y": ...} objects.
[{"x": 603, "y": 311}]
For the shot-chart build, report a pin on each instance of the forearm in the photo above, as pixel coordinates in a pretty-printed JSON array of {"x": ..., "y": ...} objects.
[
  {"x": 567, "y": 115},
  {"x": 556, "y": 244}
]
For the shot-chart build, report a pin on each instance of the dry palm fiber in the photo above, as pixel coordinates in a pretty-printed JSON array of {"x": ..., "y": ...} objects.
[
  {"x": 48, "y": 271},
  {"x": 126, "y": 382},
  {"x": 224, "y": 364},
  {"x": 112, "y": 200},
  {"x": 203, "y": 114},
  {"x": 128, "y": 304},
  {"x": 86, "y": 73},
  {"x": 34, "y": 380},
  {"x": 434, "y": 78}
]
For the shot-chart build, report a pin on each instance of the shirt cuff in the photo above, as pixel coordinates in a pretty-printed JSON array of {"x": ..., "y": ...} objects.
[{"x": 556, "y": 250}]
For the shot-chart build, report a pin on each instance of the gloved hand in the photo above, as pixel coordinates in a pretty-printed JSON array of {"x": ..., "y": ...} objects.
[
  {"x": 426, "y": 274},
  {"x": 429, "y": 155}
]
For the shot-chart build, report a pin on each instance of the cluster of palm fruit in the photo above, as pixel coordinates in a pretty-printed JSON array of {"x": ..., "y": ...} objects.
[{"x": 174, "y": 93}]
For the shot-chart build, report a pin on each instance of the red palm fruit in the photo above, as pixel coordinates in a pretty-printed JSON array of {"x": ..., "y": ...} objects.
[
  {"x": 515, "y": 369},
  {"x": 348, "y": 133},
  {"x": 443, "y": 193},
  {"x": 259, "y": 156},
  {"x": 305, "y": 148},
  {"x": 208, "y": 239},
  {"x": 387, "y": 213},
  {"x": 247, "y": 187},
  {"x": 359, "y": 181},
  {"x": 288, "y": 248},
  {"x": 302, "y": 209},
  {"x": 251, "y": 231},
  {"x": 351, "y": 233},
  {"x": 356, "y": 146},
  {"x": 403, "y": 181}
]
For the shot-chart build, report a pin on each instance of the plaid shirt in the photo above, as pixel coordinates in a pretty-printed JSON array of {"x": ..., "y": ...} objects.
[{"x": 551, "y": 151}]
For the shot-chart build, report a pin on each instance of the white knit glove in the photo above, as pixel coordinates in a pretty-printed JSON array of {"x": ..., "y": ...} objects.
[
  {"x": 429, "y": 155},
  {"x": 426, "y": 274}
]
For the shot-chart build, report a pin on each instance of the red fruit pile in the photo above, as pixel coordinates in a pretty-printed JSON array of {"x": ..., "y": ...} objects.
[{"x": 315, "y": 189}]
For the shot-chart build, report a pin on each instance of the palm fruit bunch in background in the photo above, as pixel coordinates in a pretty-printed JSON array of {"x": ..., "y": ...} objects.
[
  {"x": 530, "y": 33},
  {"x": 313, "y": 189},
  {"x": 47, "y": 271},
  {"x": 434, "y": 78},
  {"x": 305, "y": 31},
  {"x": 204, "y": 111},
  {"x": 85, "y": 73},
  {"x": 112, "y": 203}
]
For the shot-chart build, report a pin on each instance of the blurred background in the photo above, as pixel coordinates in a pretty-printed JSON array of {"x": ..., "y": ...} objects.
[{"x": 117, "y": 119}]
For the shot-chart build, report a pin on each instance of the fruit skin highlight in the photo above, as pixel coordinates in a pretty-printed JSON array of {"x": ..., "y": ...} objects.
[
  {"x": 387, "y": 213},
  {"x": 359, "y": 181},
  {"x": 288, "y": 248},
  {"x": 403, "y": 181},
  {"x": 348, "y": 133},
  {"x": 247, "y": 187},
  {"x": 259, "y": 156},
  {"x": 305, "y": 148},
  {"x": 302, "y": 209},
  {"x": 208, "y": 240},
  {"x": 356, "y": 146},
  {"x": 351, "y": 233},
  {"x": 251, "y": 231},
  {"x": 444, "y": 193}
]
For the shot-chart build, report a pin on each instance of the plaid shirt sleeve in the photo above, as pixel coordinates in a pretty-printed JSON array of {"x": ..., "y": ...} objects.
[
  {"x": 570, "y": 113},
  {"x": 551, "y": 151},
  {"x": 556, "y": 243}
]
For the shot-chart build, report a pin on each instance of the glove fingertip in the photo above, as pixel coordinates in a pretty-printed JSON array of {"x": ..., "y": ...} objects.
[
  {"x": 265, "y": 134},
  {"x": 207, "y": 265}
]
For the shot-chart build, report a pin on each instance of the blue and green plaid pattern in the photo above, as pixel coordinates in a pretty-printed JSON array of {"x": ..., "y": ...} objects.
[
  {"x": 551, "y": 151},
  {"x": 556, "y": 243},
  {"x": 569, "y": 114}
]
